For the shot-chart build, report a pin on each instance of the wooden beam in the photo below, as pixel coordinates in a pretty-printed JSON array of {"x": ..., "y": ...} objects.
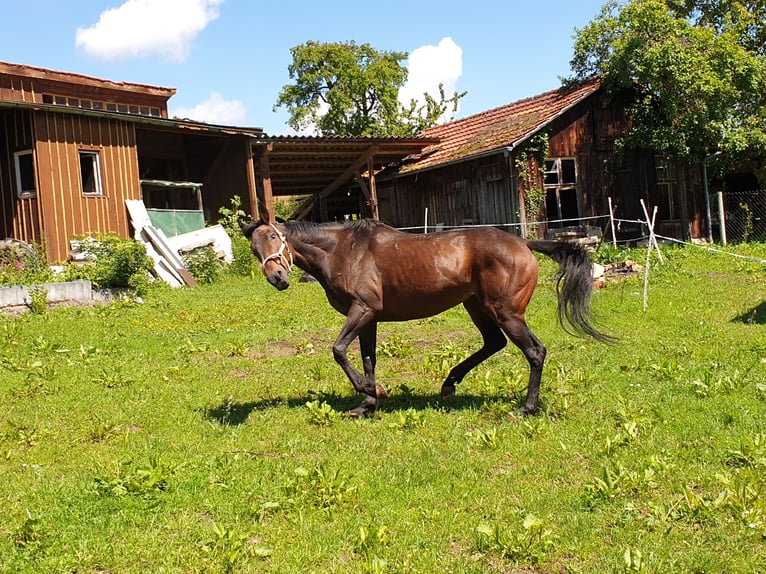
[
  {"x": 366, "y": 158},
  {"x": 349, "y": 172},
  {"x": 373, "y": 189},
  {"x": 264, "y": 177},
  {"x": 252, "y": 189}
]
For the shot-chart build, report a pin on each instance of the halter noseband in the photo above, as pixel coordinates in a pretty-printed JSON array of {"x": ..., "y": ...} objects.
[{"x": 280, "y": 254}]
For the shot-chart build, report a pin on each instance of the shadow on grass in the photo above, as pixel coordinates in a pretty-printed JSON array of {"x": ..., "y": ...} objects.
[
  {"x": 755, "y": 316},
  {"x": 234, "y": 414}
]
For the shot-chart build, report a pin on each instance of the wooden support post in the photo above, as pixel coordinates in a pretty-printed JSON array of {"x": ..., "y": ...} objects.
[
  {"x": 264, "y": 179},
  {"x": 373, "y": 189},
  {"x": 252, "y": 190}
]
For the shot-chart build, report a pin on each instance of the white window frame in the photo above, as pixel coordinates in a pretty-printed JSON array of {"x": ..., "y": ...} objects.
[
  {"x": 95, "y": 163},
  {"x": 20, "y": 191}
]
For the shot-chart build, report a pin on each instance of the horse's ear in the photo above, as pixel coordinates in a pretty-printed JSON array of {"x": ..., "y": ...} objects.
[
  {"x": 265, "y": 216},
  {"x": 248, "y": 229}
]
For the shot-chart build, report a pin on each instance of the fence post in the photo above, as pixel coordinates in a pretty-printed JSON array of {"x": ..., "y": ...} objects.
[
  {"x": 722, "y": 218},
  {"x": 611, "y": 219}
]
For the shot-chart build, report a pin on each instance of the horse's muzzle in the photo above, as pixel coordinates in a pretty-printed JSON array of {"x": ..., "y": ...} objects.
[{"x": 279, "y": 278}]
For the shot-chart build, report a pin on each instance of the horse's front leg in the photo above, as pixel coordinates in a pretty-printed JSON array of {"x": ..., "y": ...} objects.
[
  {"x": 359, "y": 320},
  {"x": 368, "y": 341}
]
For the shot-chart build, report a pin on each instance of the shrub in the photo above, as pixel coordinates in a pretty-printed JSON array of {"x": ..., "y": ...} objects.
[
  {"x": 22, "y": 264},
  {"x": 117, "y": 262},
  {"x": 204, "y": 264},
  {"x": 233, "y": 219}
]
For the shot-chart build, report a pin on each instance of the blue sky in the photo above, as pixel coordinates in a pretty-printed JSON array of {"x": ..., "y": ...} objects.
[{"x": 228, "y": 59}]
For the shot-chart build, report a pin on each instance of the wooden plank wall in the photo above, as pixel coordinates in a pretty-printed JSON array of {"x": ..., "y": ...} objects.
[
  {"x": 469, "y": 193},
  {"x": 65, "y": 211},
  {"x": 19, "y": 218}
]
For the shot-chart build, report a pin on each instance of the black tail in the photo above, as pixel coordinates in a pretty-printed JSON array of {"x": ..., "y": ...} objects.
[{"x": 574, "y": 285}]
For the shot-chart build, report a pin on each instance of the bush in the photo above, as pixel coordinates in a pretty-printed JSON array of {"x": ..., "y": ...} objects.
[
  {"x": 22, "y": 264},
  {"x": 204, "y": 264},
  {"x": 233, "y": 220},
  {"x": 118, "y": 262}
]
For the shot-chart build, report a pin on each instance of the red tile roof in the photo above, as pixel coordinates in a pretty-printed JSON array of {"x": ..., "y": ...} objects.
[{"x": 501, "y": 127}]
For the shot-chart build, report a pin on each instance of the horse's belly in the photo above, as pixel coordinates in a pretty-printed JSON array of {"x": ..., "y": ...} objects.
[{"x": 398, "y": 306}]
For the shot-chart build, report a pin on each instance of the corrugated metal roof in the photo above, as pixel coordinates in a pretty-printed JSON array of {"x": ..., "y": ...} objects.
[{"x": 506, "y": 126}]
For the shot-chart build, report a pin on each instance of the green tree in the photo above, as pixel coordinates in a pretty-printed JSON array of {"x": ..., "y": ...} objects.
[
  {"x": 348, "y": 89},
  {"x": 697, "y": 68}
]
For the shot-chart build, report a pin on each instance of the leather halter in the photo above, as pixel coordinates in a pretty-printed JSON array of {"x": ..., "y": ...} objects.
[{"x": 280, "y": 254}]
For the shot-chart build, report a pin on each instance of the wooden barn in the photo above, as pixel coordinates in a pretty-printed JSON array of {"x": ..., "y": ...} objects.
[
  {"x": 549, "y": 157},
  {"x": 73, "y": 148}
]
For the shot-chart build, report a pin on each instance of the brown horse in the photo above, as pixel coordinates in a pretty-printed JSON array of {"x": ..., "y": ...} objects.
[{"x": 373, "y": 273}]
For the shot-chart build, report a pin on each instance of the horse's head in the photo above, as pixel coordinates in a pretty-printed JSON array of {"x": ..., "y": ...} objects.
[{"x": 269, "y": 244}]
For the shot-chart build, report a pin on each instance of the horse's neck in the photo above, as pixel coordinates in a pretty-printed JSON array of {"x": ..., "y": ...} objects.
[{"x": 312, "y": 256}]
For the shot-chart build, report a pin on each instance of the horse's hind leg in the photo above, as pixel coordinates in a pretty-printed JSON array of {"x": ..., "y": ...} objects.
[
  {"x": 522, "y": 336},
  {"x": 494, "y": 341}
]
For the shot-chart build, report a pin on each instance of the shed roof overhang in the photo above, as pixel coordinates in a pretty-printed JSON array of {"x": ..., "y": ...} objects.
[{"x": 308, "y": 165}]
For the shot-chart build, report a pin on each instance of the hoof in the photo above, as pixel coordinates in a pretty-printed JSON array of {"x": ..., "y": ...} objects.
[
  {"x": 366, "y": 409},
  {"x": 360, "y": 413},
  {"x": 447, "y": 390},
  {"x": 525, "y": 411}
]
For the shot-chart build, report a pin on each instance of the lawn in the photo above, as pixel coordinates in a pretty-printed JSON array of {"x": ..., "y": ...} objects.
[{"x": 205, "y": 431}]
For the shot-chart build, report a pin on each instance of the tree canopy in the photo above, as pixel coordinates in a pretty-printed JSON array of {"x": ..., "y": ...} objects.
[
  {"x": 352, "y": 90},
  {"x": 698, "y": 68}
]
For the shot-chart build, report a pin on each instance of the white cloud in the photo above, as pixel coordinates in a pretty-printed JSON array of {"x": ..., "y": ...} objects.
[
  {"x": 430, "y": 66},
  {"x": 140, "y": 28},
  {"x": 214, "y": 110}
]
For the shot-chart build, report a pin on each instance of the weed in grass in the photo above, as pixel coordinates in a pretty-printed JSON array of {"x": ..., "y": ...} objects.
[
  {"x": 130, "y": 480},
  {"x": 229, "y": 547},
  {"x": 27, "y": 437},
  {"x": 395, "y": 347},
  {"x": 607, "y": 487},
  {"x": 36, "y": 380},
  {"x": 189, "y": 347},
  {"x": 38, "y": 299},
  {"x": 526, "y": 544},
  {"x": 496, "y": 410},
  {"x": 634, "y": 562},
  {"x": 440, "y": 361},
  {"x": 484, "y": 438},
  {"x": 695, "y": 506},
  {"x": 315, "y": 373},
  {"x": 713, "y": 383},
  {"x": 30, "y": 534},
  {"x": 90, "y": 354},
  {"x": 369, "y": 543},
  {"x": 535, "y": 427},
  {"x": 103, "y": 431},
  {"x": 750, "y": 453},
  {"x": 321, "y": 414},
  {"x": 319, "y": 487},
  {"x": 407, "y": 419},
  {"x": 113, "y": 377},
  {"x": 238, "y": 349}
]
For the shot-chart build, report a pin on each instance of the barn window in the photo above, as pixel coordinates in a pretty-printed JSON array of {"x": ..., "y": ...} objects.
[
  {"x": 90, "y": 173},
  {"x": 561, "y": 190},
  {"x": 663, "y": 198},
  {"x": 25, "y": 173}
]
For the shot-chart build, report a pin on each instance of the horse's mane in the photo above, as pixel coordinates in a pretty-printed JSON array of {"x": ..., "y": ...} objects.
[{"x": 309, "y": 230}]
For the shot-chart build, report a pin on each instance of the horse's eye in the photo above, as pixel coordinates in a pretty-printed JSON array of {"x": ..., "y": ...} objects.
[{"x": 273, "y": 236}]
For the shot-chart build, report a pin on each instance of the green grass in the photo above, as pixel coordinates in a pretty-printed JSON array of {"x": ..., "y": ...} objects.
[{"x": 204, "y": 431}]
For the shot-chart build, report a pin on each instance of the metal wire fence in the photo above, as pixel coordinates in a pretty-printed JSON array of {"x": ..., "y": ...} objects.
[{"x": 740, "y": 215}]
